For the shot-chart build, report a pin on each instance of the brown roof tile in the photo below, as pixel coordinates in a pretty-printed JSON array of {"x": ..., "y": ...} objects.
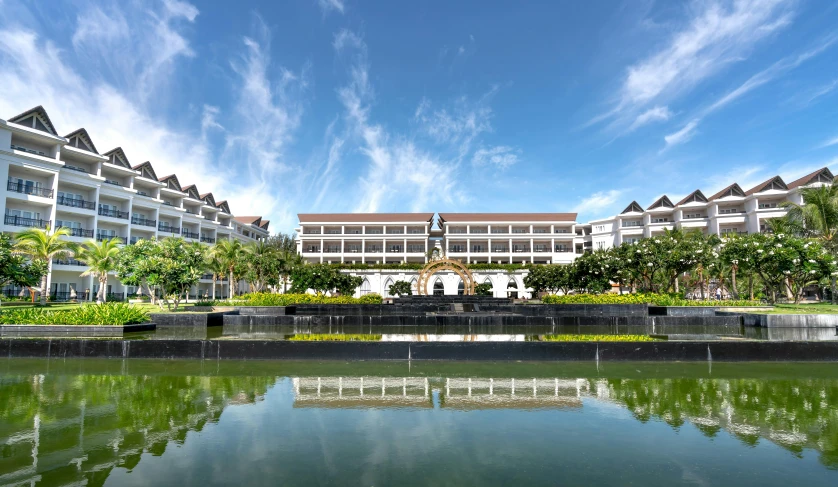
[
  {"x": 248, "y": 220},
  {"x": 725, "y": 190},
  {"x": 364, "y": 217},
  {"x": 805, "y": 179},
  {"x": 698, "y": 191},
  {"x": 761, "y": 186},
  {"x": 507, "y": 217}
]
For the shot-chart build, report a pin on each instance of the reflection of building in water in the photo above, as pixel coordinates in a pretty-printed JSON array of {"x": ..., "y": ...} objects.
[
  {"x": 480, "y": 393},
  {"x": 73, "y": 430},
  {"x": 339, "y": 392},
  {"x": 455, "y": 393}
]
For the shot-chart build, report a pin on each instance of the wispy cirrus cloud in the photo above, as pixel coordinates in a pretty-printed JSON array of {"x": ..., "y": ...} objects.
[
  {"x": 715, "y": 35},
  {"x": 683, "y": 135},
  {"x": 597, "y": 203},
  {"x": 500, "y": 156},
  {"x": 829, "y": 142},
  {"x": 328, "y": 6}
]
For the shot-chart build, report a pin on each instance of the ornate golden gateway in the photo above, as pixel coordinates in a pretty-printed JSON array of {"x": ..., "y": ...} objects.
[{"x": 441, "y": 263}]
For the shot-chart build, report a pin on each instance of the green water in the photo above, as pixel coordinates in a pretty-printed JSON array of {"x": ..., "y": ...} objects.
[{"x": 144, "y": 422}]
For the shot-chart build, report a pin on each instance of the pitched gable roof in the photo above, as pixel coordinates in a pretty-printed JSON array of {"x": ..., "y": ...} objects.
[
  {"x": 37, "y": 119},
  {"x": 264, "y": 225},
  {"x": 775, "y": 183},
  {"x": 209, "y": 199},
  {"x": 192, "y": 191},
  {"x": 171, "y": 182},
  {"x": 223, "y": 206},
  {"x": 633, "y": 207},
  {"x": 248, "y": 220},
  {"x": 695, "y": 197},
  {"x": 822, "y": 175},
  {"x": 117, "y": 157},
  {"x": 146, "y": 170},
  {"x": 733, "y": 190},
  {"x": 662, "y": 202},
  {"x": 80, "y": 139}
]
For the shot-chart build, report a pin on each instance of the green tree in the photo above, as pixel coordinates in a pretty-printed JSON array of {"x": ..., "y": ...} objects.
[
  {"x": 179, "y": 266},
  {"x": 230, "y": 253},
  {"x": 15, "y": 269},
  {"x": 101, "y": 258},
  {"x": 287, "y": 261},
  {"x": 260, "y": 266},
  {"x": 400, "y": 288},
  {"x": 215, "y": 266},
  {"x": 44, "y": 245},
  {"x": 483, "y": 289},
  {"x": 137, "y": 265},
  {"x": 323, "y": 278},
  {"x": 282, "y": 242}
]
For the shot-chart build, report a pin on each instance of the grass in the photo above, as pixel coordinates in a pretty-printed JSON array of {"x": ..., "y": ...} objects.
[
  {"x": 594, "y": 338},
  {"x": 803, "y": 309},
  {"x": 324, "y": 337},
  {"x": 113, "y": 314}
]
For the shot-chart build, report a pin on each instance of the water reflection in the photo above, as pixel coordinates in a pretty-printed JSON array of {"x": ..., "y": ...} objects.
[{"x": 88, "y": 420}]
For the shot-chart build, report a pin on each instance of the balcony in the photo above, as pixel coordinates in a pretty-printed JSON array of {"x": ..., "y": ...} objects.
[
  {"x": 331, "y": 250},
  {"x": 79, "y": 232},
  {"x": 457, "y": 231},
  {"x": 187, "y": 234},
  {"x": 518, "y": 249},
  {"x": 632, "y": 224},
  {"x": 519, "y": 230},
  {"x": 191, "y": 212},
  {"x": 115, "y": 183},
  {"x": 311, "y": 250},
  {"x": 30, "y": 189},
  {"x": 208, "y": 240},
  {"x": 730, "y": 211},
  {"x": 374, "y": 232},
  {"x": 31, "y": 151},
  {"x": 416, "y": 249},
  {"x": 134, "y": 240},
  {"x": 415, "y": 232},
  {"x": 560, "y": 249},
  {"x": 500, "y": 250},
  {"x": 101, "y": 237},
  {"x": 113, "y": 213},
  {"x": 143, "y": 221},
  {"x": 75, "y": 168},
  {"x": 19, "y": 221},
  {"x": 500, "y": 230},
  {"x": 395, "y": 232},
  {"x": 395, "y": 250},
  {"x": 311, "y": 232},
  {"x": 561, "y": 230},
  {"x": 541, "y": 249},
  {"x": 457, "y": 248},
  {"x": 168, "y": 229},
  {"x": 143, "y": 193},
  {"x": 76, "y": 203},
  {"x": 353, "y": 250},
  {"x": 375, "y": 250},
  {"x": 72, "y": 262},
  {"x": 332, "y": 232}
]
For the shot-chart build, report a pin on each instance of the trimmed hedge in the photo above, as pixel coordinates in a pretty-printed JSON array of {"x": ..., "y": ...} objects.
[
  {"x": 271, "y": 299},
  {"x": 594, "y": 338},
  {"x": 113, "y": 314},
  {"x": 642, "y": 298}
]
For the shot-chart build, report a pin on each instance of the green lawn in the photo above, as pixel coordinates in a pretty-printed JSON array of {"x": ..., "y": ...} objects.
[{"x": 803, "y": 309}]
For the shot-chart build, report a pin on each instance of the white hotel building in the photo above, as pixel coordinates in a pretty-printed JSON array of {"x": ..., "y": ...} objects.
[
  {"x": 731, "y": 210},
  {"x": 395, "y": 238},
  {"x": 55, "y": 181}
]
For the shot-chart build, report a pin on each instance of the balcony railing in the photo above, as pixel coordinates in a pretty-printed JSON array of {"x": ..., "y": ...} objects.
[
  {"x": 478, "y": 249},
  {"x": 632, "y": 224},
  {"x": 456, "y": 231},
  {"x": 143, "y": 193},
  {"x": 395, "y": 232},
  {"x": 374, "y": 232},
  {"x": 311, "y": 232},
  {"x": 375, "y": 250},
  {"x": 311, "y": 250},
  {"x": 31, "y": 151},
  {"x": 72, "y": 262},
  {"x": 353, "y": 250},
  {"x": 456, "y": 248},
  {"x": 79, "y": 232},
  {"x": 20, "y": 221},
  {"x": 500, "y": 230},
  {"x": 415, "y": 232},
  {"x": 207, "y": 240},
  {"x": 76, "y": 203},
  {"x": 541, "y": 249},
  {"x": 331, "y": 250},
  {"x": 187, "y": 234},
  {"x": 30, "y": 189},
  {"x": 113, "y": 213},
  {"x": 520, "y": 249},
  {"x": 500, "y": 249},
  {"x": 101, "y": 237},
  {"x": 730, "y": 211},
  {"x": 395, "y": 250},
  {"x": 191, "y": 212},
  {"x": 136, "y": 220},
  {"x": 541, "y": 230},
  {"x": 415, "y": 249},
  {"x": 75, "y": 168},
  {"x": 115, "y": 183},
  {"x": 332, "y": 232},
  {"x": 168, "y": 229},
  {"x": 563, "y": 249},
  {"x": 519, "y": 230}
]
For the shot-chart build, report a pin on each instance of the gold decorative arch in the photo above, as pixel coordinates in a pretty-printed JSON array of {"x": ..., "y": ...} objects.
[{"x": 444, "y": 264}]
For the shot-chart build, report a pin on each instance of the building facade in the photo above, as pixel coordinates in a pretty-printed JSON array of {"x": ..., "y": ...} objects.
[
  {"x": 55, "y": 181},
  {"x": 730, "y": 211}
]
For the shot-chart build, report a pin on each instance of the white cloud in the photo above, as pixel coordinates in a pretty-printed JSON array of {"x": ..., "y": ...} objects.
[
  {"x": 654, "y": 114},
  {"x": 598, "y": 202},
  {"x": 399, "y": 174},
  {"x": 500, "y": 156},
  {"x": 829, "y": 143},
  {"x": 459, "y": 125},
  {"x": 716, "y": 35},
  {"x": 95, "y": 25},
  {"x": 686, "y": 133},
  {"x": 746, "y": 176},
  {"x": 328, "y": 6}
]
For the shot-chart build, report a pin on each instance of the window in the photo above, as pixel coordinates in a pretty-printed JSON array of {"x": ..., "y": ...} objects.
[
  {"x": 763, "y": 206},
  {"x": 693, "y": 215},
  {"x": 660, "y": 220}
]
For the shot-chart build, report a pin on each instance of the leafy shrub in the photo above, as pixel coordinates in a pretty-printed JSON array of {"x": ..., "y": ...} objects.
[
  {"x": 593, "y": 338},
  {"x": 325, "y": 337},
  {"x": 642, "y": 298},
  {"x": 86, "y": 314},
  {"x": 270, "y": 299}
]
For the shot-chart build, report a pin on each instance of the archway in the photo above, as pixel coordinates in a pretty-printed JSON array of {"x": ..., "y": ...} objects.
[
  {"x": 387, "y": 284},
  {"x": 439, "y": 289},
  {"x": 443, "y": 264},
  {"x": 365, "y": 287},
  {"x": 512, "y": 289},
  {"x": 460, "y": 288},
  {"x": 413, "y": 286}
]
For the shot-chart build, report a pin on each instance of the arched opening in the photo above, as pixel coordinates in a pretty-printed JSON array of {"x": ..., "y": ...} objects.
[
  {"x": 512, "y": 289},
  {"x": 365, "y": 287},
  {"x": 413, "y": 287},
  {"x": 461, "y": 289},
  {"x": 387, "y": 284},
  {"x": 439, "y": 289}
]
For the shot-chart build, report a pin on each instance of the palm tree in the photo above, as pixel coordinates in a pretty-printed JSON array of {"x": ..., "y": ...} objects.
[
  {"x": 100, "y": 258},
  {"x": 44, "y": 245},
  {"x": 817, "y": 217},
  {"x": 215, "y": 266},
  {"x": 229, "y": 252},
  {"x": 288, "y": 261}
]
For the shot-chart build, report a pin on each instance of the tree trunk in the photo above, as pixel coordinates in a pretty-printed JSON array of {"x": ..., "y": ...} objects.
[
  {"x": 677, "y": 283},
  {"x": 832, "y": 289},
  {"x": 733, "y": 283},
  {"x": 751, "y": 285},
  {"x": 44, "y": 290},
  {"x": 213, "y": 285},
  {"x": 701, "y": 284},
  {"x": 103, "y": 286},
  {"x": 230, "y": 289}
]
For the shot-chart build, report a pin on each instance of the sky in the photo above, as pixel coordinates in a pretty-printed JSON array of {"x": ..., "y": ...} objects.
[{"x": 297, "y": 106}]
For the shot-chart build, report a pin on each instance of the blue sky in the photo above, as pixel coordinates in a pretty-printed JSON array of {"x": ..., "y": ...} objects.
[{"x": 295, "y": 106}]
